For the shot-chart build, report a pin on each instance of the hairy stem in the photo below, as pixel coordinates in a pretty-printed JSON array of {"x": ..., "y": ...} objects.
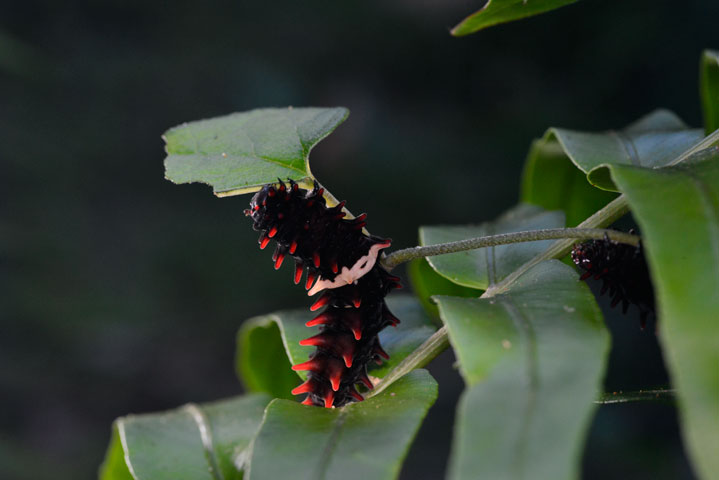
[
  {"x": 407, "y": 254},
  {"x": 424, "y": 354},
  {"x": 611, "y": 212},
  {"x": 666, "y": 395}
]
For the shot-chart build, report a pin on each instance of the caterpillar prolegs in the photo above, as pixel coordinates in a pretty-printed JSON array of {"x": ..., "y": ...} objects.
[{"x": 341, "y": 262}]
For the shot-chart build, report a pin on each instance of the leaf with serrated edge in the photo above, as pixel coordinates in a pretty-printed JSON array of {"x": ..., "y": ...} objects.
[
  {"x": 484, "y": 266},
  {"x": 495, "y": 12},
  {"x": 239, "y": 153},
  {"x": 533, "y": 360},
  {"x": 365, "y": 440},
  {"x": 677, "y": 209}
]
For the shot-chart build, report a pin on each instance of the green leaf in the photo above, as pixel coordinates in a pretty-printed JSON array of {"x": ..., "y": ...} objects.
[
  {"x": 677, "y": 209},
  {"x": 114, "y": 466},
  {"x": 365, "y": 440},
  {"x": 709, "y": 89},
  {"x": 263, "y": 366},
  {"x": 533, "y": 359},
  {"x": 481, "y": 267},
  {"x": 261, "y": 360},
  {"x": 652, "y": 141},
  {"x": 193, "y": 442},
  {"x": 427, "y": 283},
  {"x": 551, "y": 181},
  {"x": 239, "y": 153},
  {"x": 495, "y": 12}
]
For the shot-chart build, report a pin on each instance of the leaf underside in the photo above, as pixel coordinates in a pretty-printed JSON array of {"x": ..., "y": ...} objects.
[
  {"x": 193, "y": 442},
  {"x": 359, "y": 441},
  {"x": 239, "y": 153},
  {"x": 533, "y": 360},
  {"x": 495, "y": 12},
  {"x": 677, "y": 209},
  {"x": 485, "y": 266}
]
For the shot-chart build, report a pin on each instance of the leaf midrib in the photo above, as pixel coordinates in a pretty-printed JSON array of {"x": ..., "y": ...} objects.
[
  {"x": 528, "y": 337},
  {"x": 329, "y": 448}
]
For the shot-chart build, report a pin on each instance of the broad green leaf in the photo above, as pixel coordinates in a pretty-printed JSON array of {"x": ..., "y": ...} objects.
[
  {"x": 709, "y": 89},
  {"x": 677, "y": 209},
  {"x": 551, "y": 181},
  {"x": 365, "y": 440},
  {"x": 426, "y": 283},
  {"x": 239, "y": 153},
  {"x": 482, "y": 267},
  {"x": 652, "y": 141},
  {"x": 533, "y": 359},
  {"x": 502, "y": 11},
  {"x": 193, "y": 442},
  {"x": 261, "y": 360},
  {"x": 264, "y": 367}
]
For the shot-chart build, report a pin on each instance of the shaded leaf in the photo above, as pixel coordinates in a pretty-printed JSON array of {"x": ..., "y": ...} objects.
[
  {"x": 193, "y": 442},
  {"x": 261, "y": 359},
  {"x": 114, "y": 466},
  {"x": 365, "y": 440},
  {"x": 533, "y": 360},
  {"x": 239, "y": 153},
  {"x": 502, "y": 11},
  {"x": 652, "y": 141},
  {"x": 709, "y": 89},
  {"x": 677, "y": 209},
  {"x": 484, "y": 266},
  {"x": 553, "y": 182},
  {"x": 426, "y": 283},
  {"x": 258, "y": 369}
]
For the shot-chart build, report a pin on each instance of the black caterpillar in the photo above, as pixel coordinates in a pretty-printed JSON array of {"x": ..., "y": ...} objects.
[
  {"x": 623, "y": 270},
  {"x": 341, "y": 260}
]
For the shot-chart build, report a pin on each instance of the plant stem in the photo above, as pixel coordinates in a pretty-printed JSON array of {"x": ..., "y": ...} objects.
[
  {"x": 407, "y": 254},
  {"x": 424, "y": 354},
  {"x": 659, "y": 395},
  {"x": 611, "y": 212}
]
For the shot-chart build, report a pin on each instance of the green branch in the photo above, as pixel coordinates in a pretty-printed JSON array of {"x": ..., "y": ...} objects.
[
  {"x": 611, "y": 212},
  {"x": 407, "y": 254}
]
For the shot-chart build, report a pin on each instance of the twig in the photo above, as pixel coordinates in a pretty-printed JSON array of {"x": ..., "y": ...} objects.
[{"x": 407, "y": 254}]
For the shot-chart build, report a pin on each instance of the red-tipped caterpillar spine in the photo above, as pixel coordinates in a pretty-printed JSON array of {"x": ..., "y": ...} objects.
[{"x": 341, "y": 261}]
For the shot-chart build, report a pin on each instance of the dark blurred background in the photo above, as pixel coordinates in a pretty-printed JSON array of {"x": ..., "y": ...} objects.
[{"x": 121, "y": 292}]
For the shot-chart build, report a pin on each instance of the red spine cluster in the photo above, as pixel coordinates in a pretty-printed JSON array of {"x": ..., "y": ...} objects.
[
  {"x": 623, "y": 271},
  {"x": 339, "y": 257}
]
